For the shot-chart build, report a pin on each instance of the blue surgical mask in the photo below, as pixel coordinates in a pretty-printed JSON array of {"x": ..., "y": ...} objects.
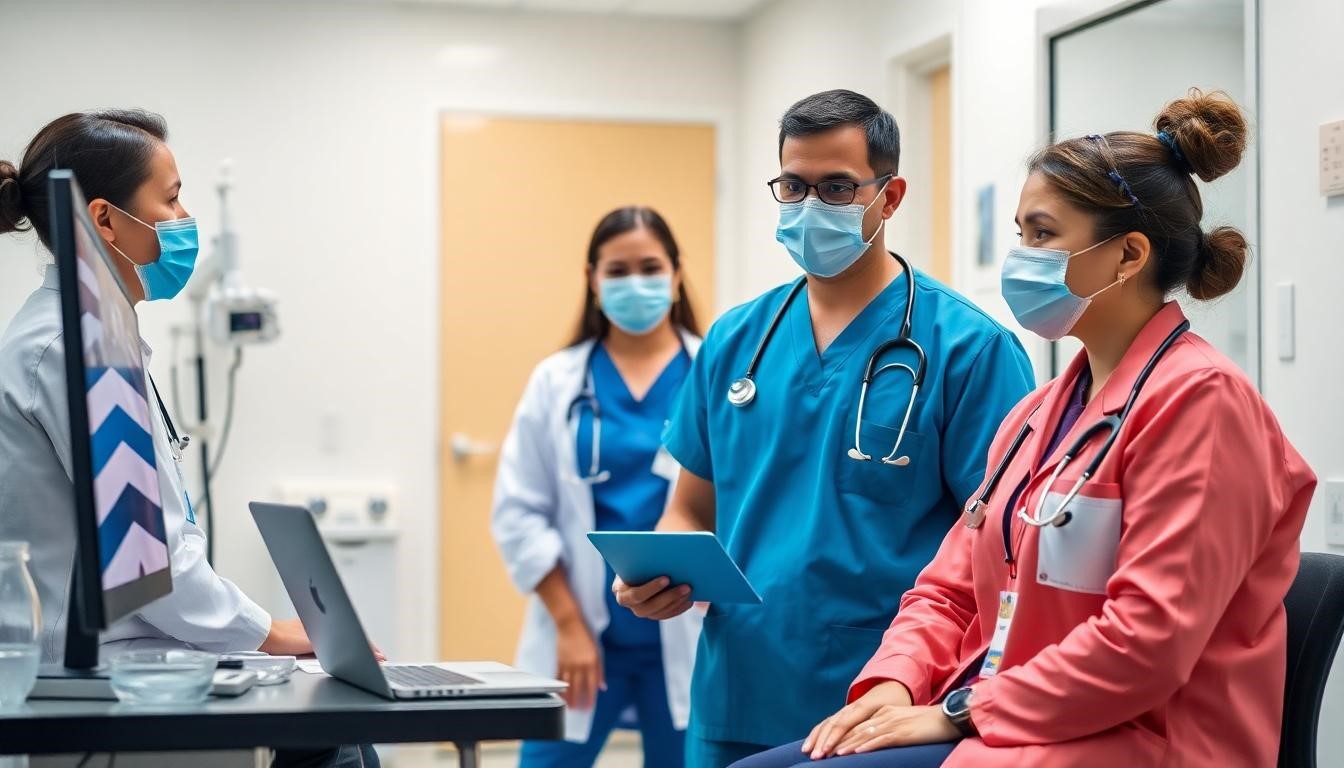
[
  {"x": 179, "y": 243},
  {"x": 823, "y": 239},
  {"x": 1033, "y": 284},
  {"x": 638, "y": 303}
]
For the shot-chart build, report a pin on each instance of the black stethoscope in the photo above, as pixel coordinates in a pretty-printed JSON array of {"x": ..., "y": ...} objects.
[
  {"x": 177, "y": 442},
  {"x": 975, "y": 508},
  {"x": 743, "y": 390}
]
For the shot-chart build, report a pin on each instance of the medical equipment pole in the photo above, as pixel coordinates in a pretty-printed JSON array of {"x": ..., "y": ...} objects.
[{"x": 201, "y": 406}]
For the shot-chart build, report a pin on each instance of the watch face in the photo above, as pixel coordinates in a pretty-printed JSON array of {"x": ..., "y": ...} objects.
[{"x": 958, "y": 701}]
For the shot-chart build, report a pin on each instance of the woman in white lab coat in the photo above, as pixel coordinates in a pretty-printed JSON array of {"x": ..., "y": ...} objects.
[
  {"x": 130, "y": 180},
  {"x": 585, "y": 454}
]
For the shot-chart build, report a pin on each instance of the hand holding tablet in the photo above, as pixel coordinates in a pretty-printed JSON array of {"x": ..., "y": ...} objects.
[{"x": 692, "y": 559}]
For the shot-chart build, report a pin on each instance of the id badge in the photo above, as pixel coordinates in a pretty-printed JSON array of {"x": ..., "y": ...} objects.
[
  {"x": 994, "y": 656},
  {"x": 186, "y": 497}
]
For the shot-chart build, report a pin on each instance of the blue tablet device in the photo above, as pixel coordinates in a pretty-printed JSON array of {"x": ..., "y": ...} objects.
[{"x": 696, "y": 559}]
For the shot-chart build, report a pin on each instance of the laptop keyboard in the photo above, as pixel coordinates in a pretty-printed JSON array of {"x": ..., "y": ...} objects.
[{"x": 413, "y": 676}]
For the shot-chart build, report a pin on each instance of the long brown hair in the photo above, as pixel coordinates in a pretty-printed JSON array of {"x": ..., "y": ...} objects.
[
  {"x": 1138, "y": 182},
  {"x": 592, "y": 323}
]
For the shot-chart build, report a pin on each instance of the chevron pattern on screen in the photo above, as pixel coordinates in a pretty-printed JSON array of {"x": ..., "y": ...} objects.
[{"x": 131, "y": 536}]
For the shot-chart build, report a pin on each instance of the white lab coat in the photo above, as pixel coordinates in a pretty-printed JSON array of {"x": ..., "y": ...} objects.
[
  {"x": 37, "y": 504},
  {"x": 541, "y": 518}
]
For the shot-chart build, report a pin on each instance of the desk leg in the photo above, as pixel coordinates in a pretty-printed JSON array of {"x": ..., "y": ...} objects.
[{"x": 468, "y": 754}]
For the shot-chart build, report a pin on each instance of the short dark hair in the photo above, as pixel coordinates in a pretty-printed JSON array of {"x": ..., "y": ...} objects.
[
  {"x": 109, "y": 152},
  {"x": 823, "y": 111}
]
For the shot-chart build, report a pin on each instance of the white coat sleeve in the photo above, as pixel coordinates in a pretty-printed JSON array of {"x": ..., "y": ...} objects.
[
  {"x": 204, "y": 610},
  {"x": 523, "y": 517}
]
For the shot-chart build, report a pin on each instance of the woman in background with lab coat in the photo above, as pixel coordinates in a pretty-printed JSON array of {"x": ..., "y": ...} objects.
[
  {"x": 585, "y": 454},
  {"x": 1094, "y": 607}
]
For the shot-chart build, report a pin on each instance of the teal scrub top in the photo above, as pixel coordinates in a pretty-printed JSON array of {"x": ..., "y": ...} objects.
[
  {"x": 828, "y": 542},
  {"x": 634, "y": 496}
]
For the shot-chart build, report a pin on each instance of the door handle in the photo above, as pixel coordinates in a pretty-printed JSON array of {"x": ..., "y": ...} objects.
[{"x": 464, "y": 447}]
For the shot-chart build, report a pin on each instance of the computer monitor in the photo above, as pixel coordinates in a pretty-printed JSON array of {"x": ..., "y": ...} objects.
[{"x": 122, "y": 556}]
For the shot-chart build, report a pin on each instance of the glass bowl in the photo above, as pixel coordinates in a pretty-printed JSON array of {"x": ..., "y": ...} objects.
[
  {"x": 271, "y": 670},
  {"x": 165, "y": 677}
]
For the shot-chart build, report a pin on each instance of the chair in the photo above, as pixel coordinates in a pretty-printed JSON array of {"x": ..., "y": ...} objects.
[{"x": 1315, "y": 606}]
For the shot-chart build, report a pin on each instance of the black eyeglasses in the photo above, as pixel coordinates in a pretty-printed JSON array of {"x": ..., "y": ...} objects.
[{"x": 830, "y": 191}]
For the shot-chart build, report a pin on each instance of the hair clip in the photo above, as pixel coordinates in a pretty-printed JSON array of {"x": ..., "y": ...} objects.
[
  {"x": 1176, "y": 154},
  {"x": 1120, "y": 182},
  {"x": 1114, "y": 173}
]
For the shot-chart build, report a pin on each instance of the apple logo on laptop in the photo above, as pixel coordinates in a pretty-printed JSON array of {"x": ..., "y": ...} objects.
[{"x": 317, "y": 599}]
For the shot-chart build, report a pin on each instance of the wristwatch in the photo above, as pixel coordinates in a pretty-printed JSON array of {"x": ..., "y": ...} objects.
[{"x": 957, "y": 709}]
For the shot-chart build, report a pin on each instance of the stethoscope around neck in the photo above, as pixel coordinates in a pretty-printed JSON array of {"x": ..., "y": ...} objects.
[
  {"x": 742, "y": 392},
  {"x": 587, "y": 397},
  {"x": 1110, "y": 425}
]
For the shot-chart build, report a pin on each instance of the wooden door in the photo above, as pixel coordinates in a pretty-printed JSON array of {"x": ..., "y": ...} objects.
[{"x": 520, "y": 198}]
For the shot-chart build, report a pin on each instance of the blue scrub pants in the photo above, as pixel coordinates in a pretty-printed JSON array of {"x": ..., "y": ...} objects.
[
  {"x": 791, "y": 756},
  {"x": 707, "y": 753},
  {"x": 634, "y": 678}
]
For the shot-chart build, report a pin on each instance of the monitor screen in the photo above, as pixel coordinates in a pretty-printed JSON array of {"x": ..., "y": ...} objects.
[{"x": 117, "y": 479}]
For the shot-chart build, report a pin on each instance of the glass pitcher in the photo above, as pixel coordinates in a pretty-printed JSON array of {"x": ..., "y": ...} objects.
[{"x": 20, "y": 625}]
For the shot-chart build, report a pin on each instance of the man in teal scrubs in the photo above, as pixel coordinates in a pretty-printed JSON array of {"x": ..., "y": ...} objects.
[{"x": 829, "y": 541}]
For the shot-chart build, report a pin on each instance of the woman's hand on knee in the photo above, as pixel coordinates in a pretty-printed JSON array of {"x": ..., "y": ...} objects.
[
  {"x": 893, "y": 726},
  {"x": 831, "y": 732}
]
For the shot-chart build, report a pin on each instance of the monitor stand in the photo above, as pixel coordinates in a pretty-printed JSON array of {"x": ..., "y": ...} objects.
[{"x": 80, "y": 677}]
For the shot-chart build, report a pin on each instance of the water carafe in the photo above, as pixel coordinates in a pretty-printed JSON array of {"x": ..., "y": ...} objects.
[{"x": 20, "y": 625}]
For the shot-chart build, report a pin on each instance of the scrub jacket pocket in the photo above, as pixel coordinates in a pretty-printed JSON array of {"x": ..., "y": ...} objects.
[
  {"x": 1080, "y": 555},
  {"x": 889, "y": 485}
]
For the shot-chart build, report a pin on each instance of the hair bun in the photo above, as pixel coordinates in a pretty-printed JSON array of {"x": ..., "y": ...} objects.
[
  {"x": 1222, "y": 259},
  {"x": 11, "y": 202},
  {"x": 1210, "y": 130}
]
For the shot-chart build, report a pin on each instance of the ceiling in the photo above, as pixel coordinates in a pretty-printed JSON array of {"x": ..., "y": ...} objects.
[{"x": 693, "y": 9}]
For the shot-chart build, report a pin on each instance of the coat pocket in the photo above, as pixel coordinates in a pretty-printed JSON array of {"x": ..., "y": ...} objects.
[{"x": 1079, "y": 556}]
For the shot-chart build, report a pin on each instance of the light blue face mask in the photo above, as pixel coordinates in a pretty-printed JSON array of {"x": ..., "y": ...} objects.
[
  {"x": 1033, "y": 284},
  {"x": 825, "y": 240},
  {"x": 179, "y": 242},
  {"x": 638, "y": 303}
]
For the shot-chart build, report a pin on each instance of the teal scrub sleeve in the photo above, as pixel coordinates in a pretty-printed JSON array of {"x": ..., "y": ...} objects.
[
  {"x": 995, "y": 379},
  {"x": 687, "y": 433}
]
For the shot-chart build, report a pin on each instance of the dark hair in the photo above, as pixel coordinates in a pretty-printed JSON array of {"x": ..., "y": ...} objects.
[
  {"x": 823, "y": 111},
  {"x": 1138, "y": 182},
  {"x": 592, "y": 323},
  {"x": 109, "y": 152}
]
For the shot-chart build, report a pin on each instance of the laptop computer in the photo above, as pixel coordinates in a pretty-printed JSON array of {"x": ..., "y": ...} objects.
[{"x": 338, "y": 638}]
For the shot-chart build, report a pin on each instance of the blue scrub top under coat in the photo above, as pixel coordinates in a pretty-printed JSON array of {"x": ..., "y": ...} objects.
[
  {"x": 634, "y": 497},
  {"x": 830, "y": 543}
]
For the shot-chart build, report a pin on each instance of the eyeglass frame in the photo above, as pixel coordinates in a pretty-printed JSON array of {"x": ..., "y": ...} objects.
[{"x": 808, "y": 188}]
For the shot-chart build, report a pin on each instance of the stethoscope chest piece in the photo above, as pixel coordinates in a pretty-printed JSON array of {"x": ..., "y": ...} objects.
[{"x": 741, "y": 392}]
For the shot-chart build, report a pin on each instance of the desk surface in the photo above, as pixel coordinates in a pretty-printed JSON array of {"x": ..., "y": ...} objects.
[{"x": 310, "y": 711}]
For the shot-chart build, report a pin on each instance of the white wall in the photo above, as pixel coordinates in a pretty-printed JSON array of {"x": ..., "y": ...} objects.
[
  {"x": 1302, "y": 242},
  {"x": 329, "y": 110}
]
